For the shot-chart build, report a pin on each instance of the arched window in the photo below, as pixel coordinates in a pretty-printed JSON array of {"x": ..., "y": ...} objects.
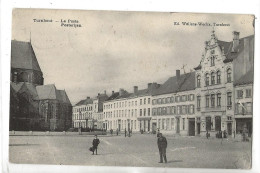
[
  {"x": 218, "y": 77},
  {"x": 228, "y": 75},
  {"x": 207, "y": 79},
  {"x": 212, "y": 78},
  {"x": 198, "y": 81},
  {"x": 212, "y": 61}
]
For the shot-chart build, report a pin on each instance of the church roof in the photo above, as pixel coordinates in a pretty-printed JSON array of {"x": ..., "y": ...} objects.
[
  {"x": 23, "y": 56},
  {"x": 62, "y": 96},
  {"x": 46, "y": 92}
]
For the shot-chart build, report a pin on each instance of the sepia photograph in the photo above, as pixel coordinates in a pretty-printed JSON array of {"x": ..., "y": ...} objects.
[{"x": 131, "y": 89}]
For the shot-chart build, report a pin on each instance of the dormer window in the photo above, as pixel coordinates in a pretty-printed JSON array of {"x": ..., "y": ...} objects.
[{"x": 198, "y": 81}]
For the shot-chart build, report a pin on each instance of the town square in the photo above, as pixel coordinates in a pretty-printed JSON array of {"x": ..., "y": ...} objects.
[{"x": 131, "y": 89}]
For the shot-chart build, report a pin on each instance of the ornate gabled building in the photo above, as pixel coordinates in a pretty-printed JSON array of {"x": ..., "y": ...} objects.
[
  {"x": 222, "y": 64},
  {"x": 34, "y": 106}
]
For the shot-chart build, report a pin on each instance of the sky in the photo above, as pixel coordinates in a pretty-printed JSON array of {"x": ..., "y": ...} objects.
[{"x": 114, "y": 49}]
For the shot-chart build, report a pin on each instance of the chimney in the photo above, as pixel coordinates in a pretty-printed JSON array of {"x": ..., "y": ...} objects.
[
  {"x": 178, "y": 74},
  {"x": 88, "y": 97},
  {"x": 105, "y": 92},
  {"x": 98, "y": 94},
  {"x": 121, "y": 91},
  {"x": 235, "y": 41},
  {"x": 113, "y": 92},
  {"x": 135, "y": 89}
]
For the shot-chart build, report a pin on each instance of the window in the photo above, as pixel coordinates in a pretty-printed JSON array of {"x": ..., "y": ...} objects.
[
  {"x": 183, "y": 123},
  {"x": 178, "y": 110},
  {"x": 140, "y": 112},
  {"x": 212, "y": 61},
  {"x": 148, "y": 100},
  {"x": 168, "y": 100},
  {"x": 177, "y": 98},
  {"x": 207, "y": 79},
  {"x": 144, "y": 112},
  {"x": 218, "y": 100},
  {"x": 159, "y": 101},
  {"x": 140, "y": 101},
  {"x": 212, "y": 78},
  {"x": 208, "y": 123},
  {"x": 158, "y": 111},
  {"x": 167, "y": 123},
  {"x": 154, "y": 111},
  {"x": 183, "y": 109},
  {"x": 198, "y": 103},
  {"x": 207, "y": 101},
  {"x": 159, "y": 123},
  {"x": 212, "y": 100},
  {"x": 172, "y": 99},
  {"x": 174, "y": 110},
  {"x": 248, "y": 93},
  {"x": 164, "y": 111},
  {"x": 135, "y": 124},
  {"x": 154, "y": 101},
  {"x": 239, "y": 93},
  {"x": 144, "y": 100},
  {"x": 218, "y": 77},
  {"x": 148, "y": 111},
  {"x": 191, "y": 110},
  {"x": 168, "y": 110},
  {"x": 135, "y": 103},
  {"x": 163, "y": 100},
  {"x": 249, "y": 107},
  {"x": 229, "y": 75},
  {"x": 191, "y": 97},
  {"x": 172, "y": 123},
  {"x": 163, "y": 122},
  {"x": 183, "y": 98},
  {"x": 198, "y": 81},
  {"x": 229, "y": 99}
]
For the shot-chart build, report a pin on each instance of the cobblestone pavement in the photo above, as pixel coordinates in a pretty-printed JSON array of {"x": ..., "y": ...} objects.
[{"x": 138, "y": 150}]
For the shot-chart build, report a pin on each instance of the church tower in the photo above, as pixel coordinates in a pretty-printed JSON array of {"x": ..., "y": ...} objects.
[{"x": 24, "y": 64}]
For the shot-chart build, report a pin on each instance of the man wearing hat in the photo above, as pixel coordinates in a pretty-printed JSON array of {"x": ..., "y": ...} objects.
[
  {"x": 95, "y": 144},
  {"x": 162, "y": 145}
]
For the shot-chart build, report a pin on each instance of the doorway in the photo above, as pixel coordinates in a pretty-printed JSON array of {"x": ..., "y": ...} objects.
[
  {"x": 191, "y": 126},
  {"x": 229, "y": 128},
  {"x": 178, "y": 125},
  {"x": 198, "y": 128}
]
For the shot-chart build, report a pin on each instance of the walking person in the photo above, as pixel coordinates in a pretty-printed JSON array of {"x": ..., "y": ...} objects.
[
  {"x": 162, "y": 145},
  {"x": 116, "y": 132},
  {"x": 95, "y": 144},
  {"x": 125, "y": 132}
]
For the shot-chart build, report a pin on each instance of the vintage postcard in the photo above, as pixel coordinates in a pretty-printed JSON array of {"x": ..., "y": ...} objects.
[{"x": 136, "y": 89}]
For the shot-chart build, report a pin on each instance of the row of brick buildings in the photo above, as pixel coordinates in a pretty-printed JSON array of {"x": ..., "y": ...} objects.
[{"x": 216, "y": 96}]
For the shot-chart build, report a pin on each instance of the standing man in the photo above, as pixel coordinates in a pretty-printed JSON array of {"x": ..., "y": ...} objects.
[
  {"x": 125, "y": 132},
  {"x": 95, "y": 144},
  {"x": 162, "y": 145}
]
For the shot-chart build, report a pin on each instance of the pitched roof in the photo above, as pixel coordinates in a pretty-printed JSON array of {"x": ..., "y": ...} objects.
[
  {"x": 46, "y": 92},
  {"x": 23, "y": 56},
  {"x": 16, "y": 86},
  {"x": 247, "y": 78},
  {"x": 185, "y": 83},
  {"x": 62, "y": 96},
  {"x": 230, "y": 55},
  {"x": 84, "y": 102},
  {"x": 25, "y": 86}
]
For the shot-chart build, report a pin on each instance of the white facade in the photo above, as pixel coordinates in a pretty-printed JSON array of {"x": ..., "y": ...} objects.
[
  {"x": 130, "y": 113},
  {"x": 82, "y": 116}
]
